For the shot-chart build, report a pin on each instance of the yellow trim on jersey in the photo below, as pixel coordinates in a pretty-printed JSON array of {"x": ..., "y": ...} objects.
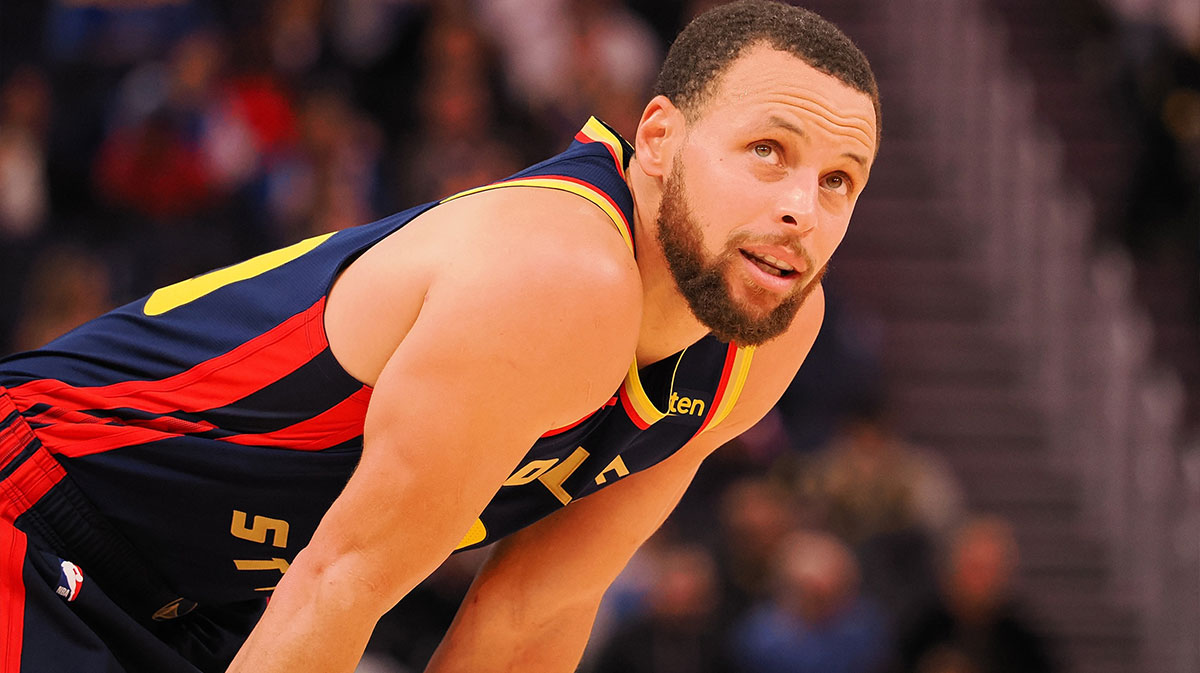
[
  {"x": 639, "y": 399},
  {"x": 737, "y": 380},
  {"x": 598, "y": 132},
  {"x": 587, "y": 192},
  {"x": 186, "y": 291},
  {"x": 474, "y": 536}
]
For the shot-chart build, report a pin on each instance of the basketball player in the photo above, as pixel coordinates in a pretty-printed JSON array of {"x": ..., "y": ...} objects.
[{"x": 540, "y": 363}]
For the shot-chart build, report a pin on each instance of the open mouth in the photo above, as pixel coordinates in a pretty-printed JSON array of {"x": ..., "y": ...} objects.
[{"x": 769, "y": 264}]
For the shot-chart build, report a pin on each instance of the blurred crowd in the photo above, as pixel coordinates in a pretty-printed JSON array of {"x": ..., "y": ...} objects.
[{"x": 144, "y": 141}]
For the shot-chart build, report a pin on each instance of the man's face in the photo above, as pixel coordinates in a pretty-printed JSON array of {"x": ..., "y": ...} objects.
[{"x": 761, "y": 191}]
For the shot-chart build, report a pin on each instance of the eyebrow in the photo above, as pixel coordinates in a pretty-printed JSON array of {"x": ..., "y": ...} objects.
[{"x": 782, "y": 123}]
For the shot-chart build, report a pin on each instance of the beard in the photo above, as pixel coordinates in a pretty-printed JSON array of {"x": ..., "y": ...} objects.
[{"x": 703, "y": 283}]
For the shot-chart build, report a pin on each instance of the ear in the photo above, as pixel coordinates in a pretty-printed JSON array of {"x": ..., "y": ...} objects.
[{"x": 659, "y": 135}]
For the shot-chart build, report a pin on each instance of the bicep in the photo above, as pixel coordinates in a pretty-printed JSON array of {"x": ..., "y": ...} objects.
[{"x": 496, "y": 356}]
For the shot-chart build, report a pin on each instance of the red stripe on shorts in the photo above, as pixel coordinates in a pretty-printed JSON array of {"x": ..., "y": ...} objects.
[
  {"x": 12, "y": 597},
  {"x": 28, "y": 483},
  {"x": 24, "y": 487}
]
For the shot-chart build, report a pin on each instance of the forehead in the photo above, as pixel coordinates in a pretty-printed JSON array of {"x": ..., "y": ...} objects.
[{"x": 765, "y": 83}]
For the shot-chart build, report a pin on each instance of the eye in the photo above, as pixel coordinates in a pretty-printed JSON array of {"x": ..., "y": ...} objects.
[
  {"x": 763, "y": 150},
  {"x": 838, "y": 182}
]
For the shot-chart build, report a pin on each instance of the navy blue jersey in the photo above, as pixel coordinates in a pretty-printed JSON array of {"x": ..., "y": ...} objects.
[{"x": 211, "y": 427}]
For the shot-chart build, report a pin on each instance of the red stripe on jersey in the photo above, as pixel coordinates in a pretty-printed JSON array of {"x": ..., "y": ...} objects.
[
  {"x": 74, "y": 433},
  {"x": 726, "y": 371},
  {"x": 584, "y": 138},
  {"x": 167, "y": 424},
  {"x": 590, "y": 186},
  {"x": 341, "y": 423},
  {"x": 632, "y": 413},
  {"x": 213, "y": 383},
  {"x": 74, "y": 439},
  {"x": 12, "y": 597},
  {"x": 559, "y": 431}
]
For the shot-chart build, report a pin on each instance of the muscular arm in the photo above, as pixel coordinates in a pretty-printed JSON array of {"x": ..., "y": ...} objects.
[
  {"x": 510, "y": 340},
  {"x": 532, "y": 604}
]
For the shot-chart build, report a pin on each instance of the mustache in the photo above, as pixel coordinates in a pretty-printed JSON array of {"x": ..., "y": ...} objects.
[{"x": 791, "y": 243}]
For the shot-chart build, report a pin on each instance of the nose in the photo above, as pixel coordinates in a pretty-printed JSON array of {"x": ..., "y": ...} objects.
[{"x": 798, "y": 203}]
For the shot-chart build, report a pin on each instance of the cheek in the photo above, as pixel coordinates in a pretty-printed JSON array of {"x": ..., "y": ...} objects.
[
  {"x": 722, "y": 179},
  {"x": 829, "y": 236}
]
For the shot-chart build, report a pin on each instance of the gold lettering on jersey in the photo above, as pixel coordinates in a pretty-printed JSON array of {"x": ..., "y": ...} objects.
[
  {"x": 685, "y": 405},
  {"x": 530, "y": 471},
  {"x": 553, "y": 479},
  {"x": 474, "y": 536},
  {"x": 263, "y": 564},
  {"x": 187, "y": 291},
  {"x": 618, "y": 466},
  {"x": 258, "y": 531}
]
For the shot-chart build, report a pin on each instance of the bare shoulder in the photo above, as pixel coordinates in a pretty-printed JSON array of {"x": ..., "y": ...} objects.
[
  {"x": 535, "y": 233},
  {"x": 543, "y": 253}
]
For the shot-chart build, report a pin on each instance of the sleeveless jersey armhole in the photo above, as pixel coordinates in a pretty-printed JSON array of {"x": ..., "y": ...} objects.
[
  {"x": 566, "y": 184},
  {"x": 733, "y": 380}
]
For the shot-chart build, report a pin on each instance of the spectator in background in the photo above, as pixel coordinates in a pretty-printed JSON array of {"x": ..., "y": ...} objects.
[
  {"x": 815, "y": 621},
  {"x": 67, "y": 287},
  {"x": 894, "y": 503},
  {"x": 976, "y": 625},
  {"x": 755, "y": 517},
  {"x": 90, "y": 46},
  {"x": 1162, "y": 83},
  {"x": 152, "y": 168},
  {"x": 459, "y": 141},
  {"x": 24, "y": 123},
  {"x": 150, "y": 171},
  {"x": 570, "y": 58},
  {"x": 103, "y": 33},
  {"x": 677, "y": 633},
  {"x": 612, "y": 55},
  {"x": 294, "y": 37},
  {"x": 329, "y": 180}
]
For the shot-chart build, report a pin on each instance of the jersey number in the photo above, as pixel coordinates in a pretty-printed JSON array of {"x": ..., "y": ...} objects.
[{"x": 258, "y": 531}]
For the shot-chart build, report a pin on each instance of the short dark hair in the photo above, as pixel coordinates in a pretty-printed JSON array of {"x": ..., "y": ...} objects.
[{"x": 714, "y": 39}]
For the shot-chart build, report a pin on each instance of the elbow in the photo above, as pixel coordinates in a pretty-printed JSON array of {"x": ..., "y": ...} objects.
[{"x": 346, "y": 582}]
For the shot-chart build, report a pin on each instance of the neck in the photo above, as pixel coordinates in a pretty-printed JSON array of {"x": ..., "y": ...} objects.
[{"x": 668, "y": 325}]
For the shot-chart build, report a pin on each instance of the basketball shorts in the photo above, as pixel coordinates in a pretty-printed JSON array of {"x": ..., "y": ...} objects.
[{"x": 74, "y": 598}]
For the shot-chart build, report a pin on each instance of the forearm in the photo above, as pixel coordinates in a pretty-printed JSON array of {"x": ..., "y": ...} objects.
[
  {"x": 313, "y": 623},
  {"x": 532, "y": 605},
  {"x": 322, "y": 614},
  {"x": 497, "y": 636}
]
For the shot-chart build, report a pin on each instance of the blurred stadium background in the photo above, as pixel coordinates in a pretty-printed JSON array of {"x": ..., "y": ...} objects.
[{"x": 991, "y": 460}]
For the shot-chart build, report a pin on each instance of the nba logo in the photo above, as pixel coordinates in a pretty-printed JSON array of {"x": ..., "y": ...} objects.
[{"x": 70, "y": 581}]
